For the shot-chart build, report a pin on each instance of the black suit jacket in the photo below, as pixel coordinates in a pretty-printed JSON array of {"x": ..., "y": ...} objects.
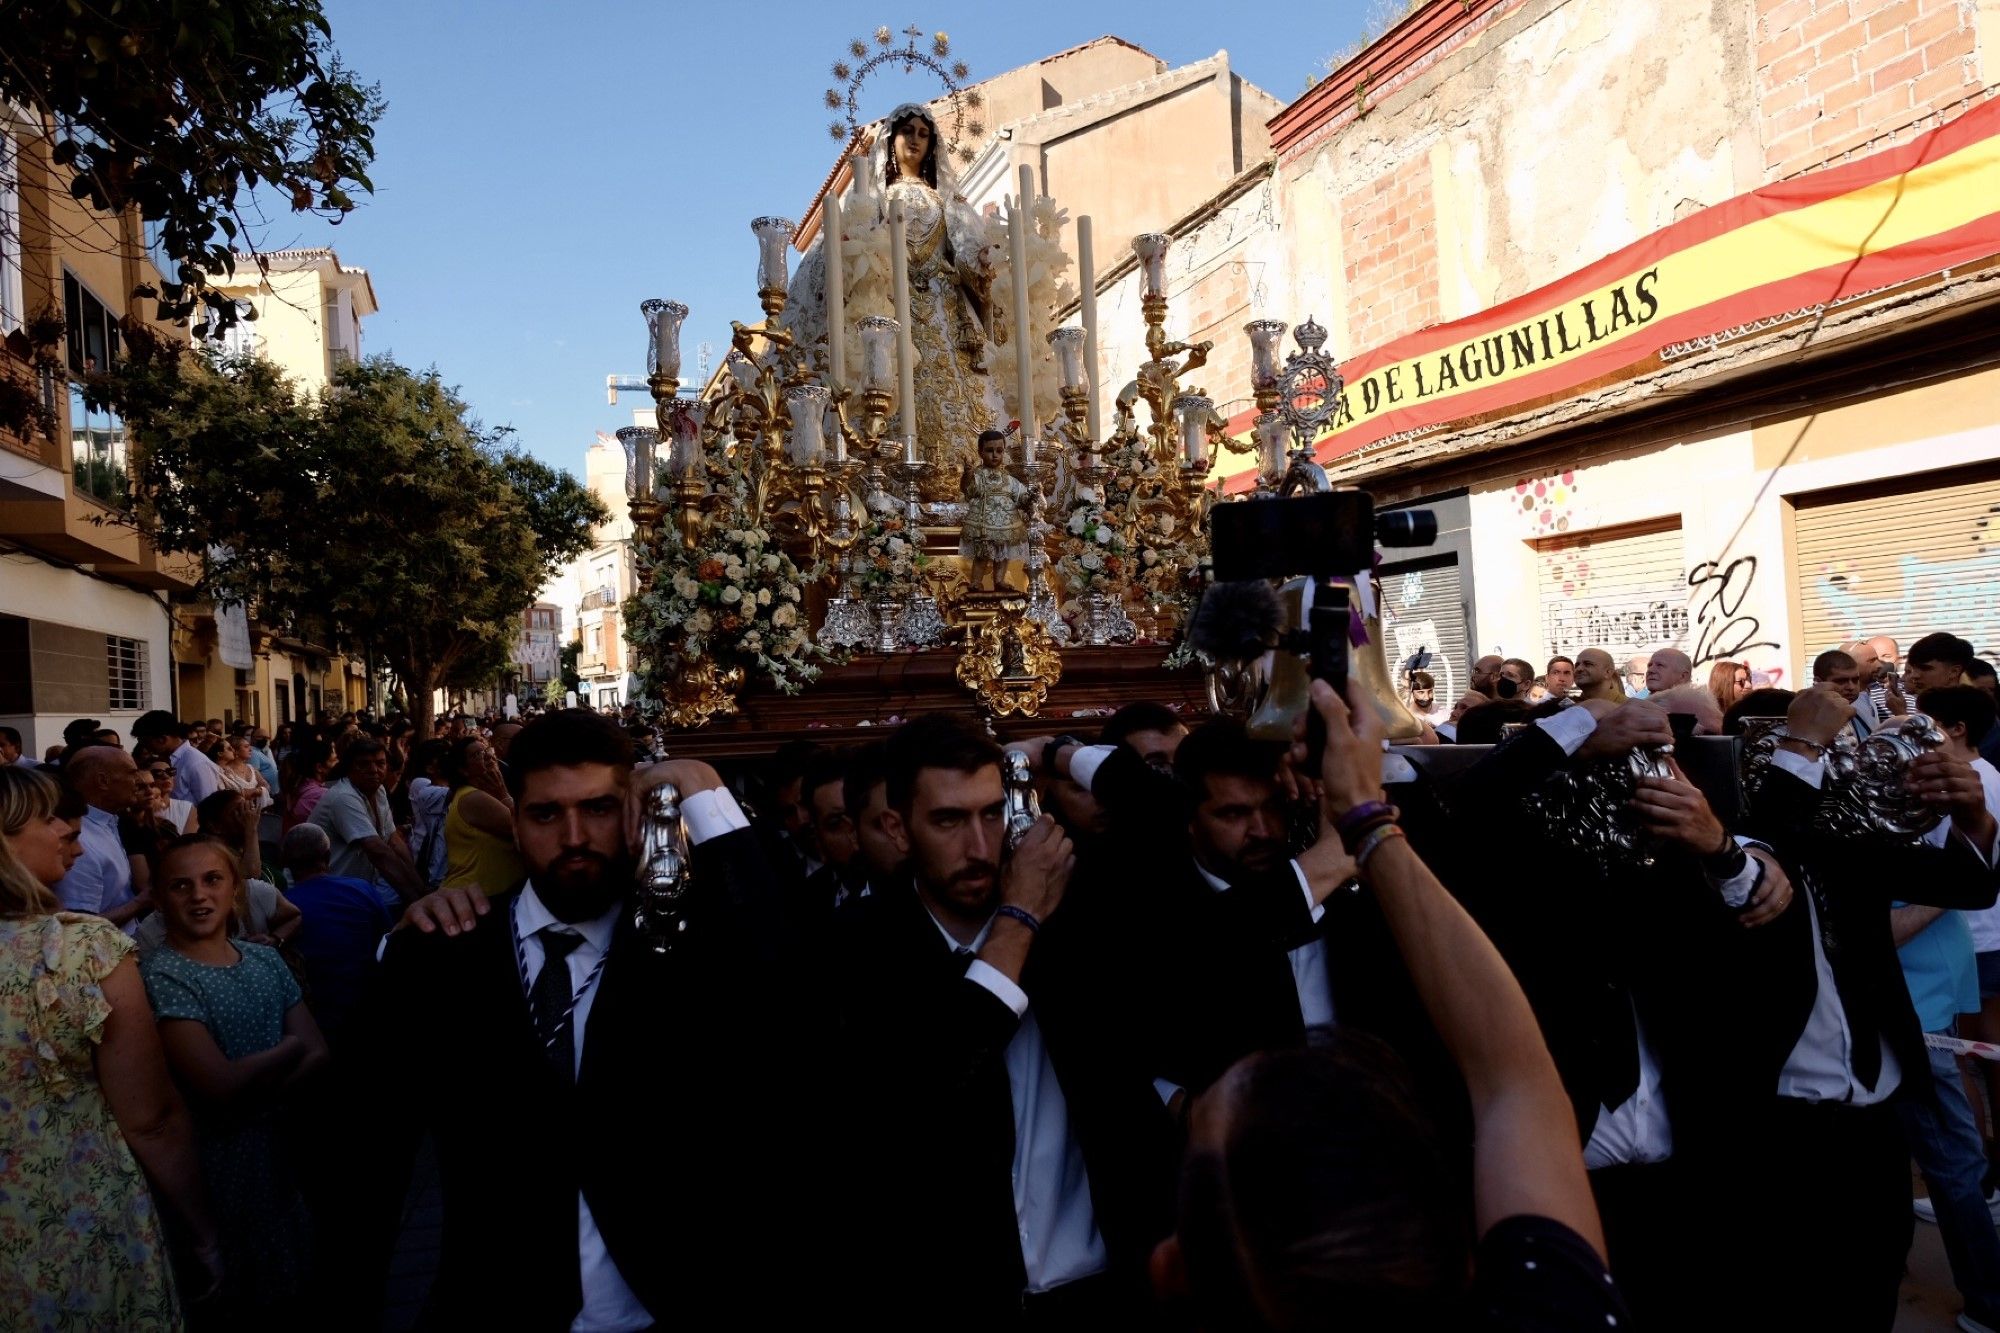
[
  {"x": 1218, "y": 967},
  {"x": 1593, "y": 948},
  {"x": 929, "y": 1158},
  {"x": 670, "y": 1131},
  {"x": 1859, "y": 878}
]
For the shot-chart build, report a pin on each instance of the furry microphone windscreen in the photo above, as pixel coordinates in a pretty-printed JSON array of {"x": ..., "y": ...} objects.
[{"x": 1237, "y": 620}]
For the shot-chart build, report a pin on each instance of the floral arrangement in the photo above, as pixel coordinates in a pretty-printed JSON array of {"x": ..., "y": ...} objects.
[
  {"x": 1094, "y": 554},
  {"x": 1168, "y": 560},
  {"x": 886, "y": 559},
  {"x": 736, "y": 598}
]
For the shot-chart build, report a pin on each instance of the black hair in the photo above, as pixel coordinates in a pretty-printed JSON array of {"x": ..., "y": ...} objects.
[
  {"x": 453, "y": 763},
  {"x": 1946, "y": 648},
  {"x": 159, "y": 722},
  {"x": 217, "y": 806},
  {"x": 1220, "y": 747},
  {"x": 1134, "y": 718},
  {"x": 361, "y": 747},
  {"x": 11, "y": 736},
  {"x": 1567, "y": 661},
  {"x": 928, "y": 167},
  {"x": 867, "y": 769},
  {"x": 827, "y": 766},
  {"x": 1481, "y": 725},
  {"x": 1329, "y": 1201},
  {"x": 566, "y": 737},
  {"x": 1422, "y": 680},
  {"x": 934, "y": 740},
  {"x": 1979, "y": 668},
  {"x": 1758, "y": 703},
  {"x": 1963, "y": 705},
  {"x": 1830, "y": 661},
  {"x": 990, "y": 434}
]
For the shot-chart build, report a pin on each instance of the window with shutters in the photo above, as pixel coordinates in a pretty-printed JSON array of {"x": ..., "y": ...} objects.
[
  {"x": 1903, "y": 558},
  {"x": 1619, "y": 589}
]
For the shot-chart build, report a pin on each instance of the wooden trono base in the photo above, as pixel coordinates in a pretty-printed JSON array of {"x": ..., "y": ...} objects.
[{"x": 870, "y": 690}]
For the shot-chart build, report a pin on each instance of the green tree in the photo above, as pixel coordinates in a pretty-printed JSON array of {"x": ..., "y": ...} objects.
[
  {"x": 382, "y": 510},
  {"x": 184, "y": 109}
]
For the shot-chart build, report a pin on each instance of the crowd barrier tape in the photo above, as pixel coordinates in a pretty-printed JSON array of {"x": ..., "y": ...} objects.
[{"x": 1984, "y": 1050}]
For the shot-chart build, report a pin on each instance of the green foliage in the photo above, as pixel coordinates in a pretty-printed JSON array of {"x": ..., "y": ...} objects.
[
  {"x": 568, "y": 678},
  {"x": 184, "y": 107},
  {"x": 383, "y": 510}
]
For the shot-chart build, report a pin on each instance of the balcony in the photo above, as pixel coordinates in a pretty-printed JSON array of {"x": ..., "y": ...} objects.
[{"x": 599, "y": 598}]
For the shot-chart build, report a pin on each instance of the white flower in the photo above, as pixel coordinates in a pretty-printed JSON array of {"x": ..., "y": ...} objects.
[
  {"x": 763, "y": 596},
  {"x": 1078, "y": 521},
  {"x": 1092, "y": 560},
  {"x": 783, "y": 616},
  {"x": 789, "y": 591},
  {"x": 753, "y": 642},
  {"x": 770, "y": 564},
  {"x": 700, "y": 622},
  {"x": 732, "y": 594},
  {"x": 1103, "y": 536},
  {"x": 686, "y": 587},
  {"x": 1150, "y": 556},
  {"x": 1166, "y": 522},
  {"x": 897, "y": 546}
]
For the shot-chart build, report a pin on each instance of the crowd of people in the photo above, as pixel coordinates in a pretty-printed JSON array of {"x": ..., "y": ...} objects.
[{"x": 1234, "y": 1035}]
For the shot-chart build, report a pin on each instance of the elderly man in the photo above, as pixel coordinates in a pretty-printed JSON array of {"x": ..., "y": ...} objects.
[
  {"x": 1666, "y": 669},
  {"x": 1881, "y": 694},
  {"x": 1635, "y": 677},
  {"x": 1597, "y": 677},
  {"x": 1486, "y": 672},
  {"x": 101, "y": 880}
]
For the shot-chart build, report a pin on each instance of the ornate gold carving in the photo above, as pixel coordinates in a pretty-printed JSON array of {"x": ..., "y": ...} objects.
[
  {"x": 1009, "y": 661},
  {"x": 701, "y": 692}
]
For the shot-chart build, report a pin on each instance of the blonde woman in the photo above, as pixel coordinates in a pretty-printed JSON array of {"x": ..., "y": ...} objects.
[{"x": 87, "y": 1111}]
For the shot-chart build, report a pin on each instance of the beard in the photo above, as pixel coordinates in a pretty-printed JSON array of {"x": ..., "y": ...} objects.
[{"x": 582, "y": 885}]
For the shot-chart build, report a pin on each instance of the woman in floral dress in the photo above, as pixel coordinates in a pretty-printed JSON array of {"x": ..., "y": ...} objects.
[{"x": 85, "y": 1102}]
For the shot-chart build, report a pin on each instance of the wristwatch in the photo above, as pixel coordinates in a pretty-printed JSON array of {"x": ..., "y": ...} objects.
[{"x": 1054, "y": 748}]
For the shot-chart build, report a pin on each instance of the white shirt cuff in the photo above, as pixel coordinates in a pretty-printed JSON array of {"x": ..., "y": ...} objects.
[
  {"x": 1736, "y": 890},
  {"x": 1570, "y": 728},
  {"x": 982, "y": 973},
  {"x": 1808, "y": 771},
  {"x": 710, "y": 814},
  {"x": 1318, "y": 910},
  {"x": 1084, "y": 763},
  {"x": 1167, "y": 1089}
]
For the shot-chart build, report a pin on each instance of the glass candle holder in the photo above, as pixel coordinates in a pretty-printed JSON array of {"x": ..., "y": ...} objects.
[
  {"x": 641, "y": 444},
  {"x": 1068, "y": 343},
  {"x": 878, "y": 354},
  {"x": 1266, "y": 335},
  {"x": 684, "y": 440},
  {"x": 774, "y": 236},
  {"x": 1272, "y": 438},
  {"x": 663, "y": 335},
  {"x": 1152, "y": 251},
  {"x": 807, "y": 404},
  {"x": 1191, "y": 414}
]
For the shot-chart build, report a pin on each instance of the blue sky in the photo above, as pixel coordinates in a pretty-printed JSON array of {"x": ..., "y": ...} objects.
[{"x": 543, "y": 167}]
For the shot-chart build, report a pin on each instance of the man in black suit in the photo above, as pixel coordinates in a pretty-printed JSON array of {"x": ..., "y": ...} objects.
[
  {"x": 1242, "y": 954},
  {"x": 1827, "y": 1033},
  {"x": 603, "y": 1113},
  {"x": 1619, "y": 959},
  {"x": 1011, "y": 1165},
  {"x": 842, "y": 875}
]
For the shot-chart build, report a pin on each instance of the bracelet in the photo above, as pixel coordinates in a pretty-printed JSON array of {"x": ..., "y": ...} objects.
[
  {"x": 1361, "y": 816},
  {"x": 1054, "y": 748},
  {"x": 1353, "y": 838},
  {"x": 1373, "y": 842},
  {"x": 1022, "y": 915}
]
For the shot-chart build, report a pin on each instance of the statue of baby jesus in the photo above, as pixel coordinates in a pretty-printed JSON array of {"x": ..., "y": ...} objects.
[{"x": 993, "y": 540}]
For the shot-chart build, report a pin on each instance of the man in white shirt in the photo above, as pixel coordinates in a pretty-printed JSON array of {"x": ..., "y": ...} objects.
[
  {"x": 101, "y": 879},
  {"x": 358, "y": 821},
  {"x": 196, "y": 776},
  {"x": 10, "y": 749},
  {"x": 571, "y": 1028}
]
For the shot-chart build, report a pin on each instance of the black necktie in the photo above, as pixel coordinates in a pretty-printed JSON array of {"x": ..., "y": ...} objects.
[
  {"x": 551, "y": 1000},
  {"x": 1618, "y": 1046}
]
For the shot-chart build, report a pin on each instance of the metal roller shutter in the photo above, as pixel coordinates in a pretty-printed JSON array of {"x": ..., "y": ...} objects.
[
  {"x": 1619, "y": 589},
  {"x": 1904, "y": 558},
  {"x": 1423, "y": 611}
]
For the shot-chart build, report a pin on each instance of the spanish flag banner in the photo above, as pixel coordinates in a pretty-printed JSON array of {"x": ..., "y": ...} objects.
[{"x": 1898, "y": 215}]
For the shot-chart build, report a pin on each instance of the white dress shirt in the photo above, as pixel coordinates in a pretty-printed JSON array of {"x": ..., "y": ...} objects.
[
  {"x": 1056, "y": 1220},
  {"x": 101, "y": 879},
  {"x": 195, "y": 775},
  {"x": 609, "y": 1305}
]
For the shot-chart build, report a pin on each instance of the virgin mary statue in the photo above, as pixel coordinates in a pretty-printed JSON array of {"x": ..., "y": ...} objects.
[{"x": 951, "y": 267}]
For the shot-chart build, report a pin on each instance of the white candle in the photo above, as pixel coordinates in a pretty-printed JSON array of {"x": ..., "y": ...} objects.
[
  {"x": 1086, "y": 264},
  {"x": 906, "y": 367},
  {"x": 1024, "y": 366},
  {"x": 836, "y": 295}
]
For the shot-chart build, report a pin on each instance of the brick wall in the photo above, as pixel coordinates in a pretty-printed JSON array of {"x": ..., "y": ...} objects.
[
  {"x": 1834, "y": 75},
  {"x": 1390, "y": 230}
]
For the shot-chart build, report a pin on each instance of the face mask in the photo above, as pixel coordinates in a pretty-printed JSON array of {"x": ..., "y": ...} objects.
[{"x": 1504, "y": 687}]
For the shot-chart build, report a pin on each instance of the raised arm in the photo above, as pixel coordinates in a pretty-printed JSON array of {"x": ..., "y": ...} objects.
[{"x": 1525, "y": 1158}]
